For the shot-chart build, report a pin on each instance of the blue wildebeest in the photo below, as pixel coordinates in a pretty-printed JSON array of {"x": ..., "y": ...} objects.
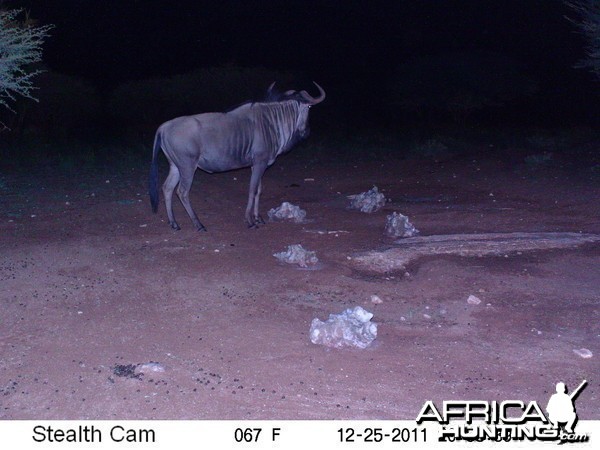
[{"x": 252, "y": 135}]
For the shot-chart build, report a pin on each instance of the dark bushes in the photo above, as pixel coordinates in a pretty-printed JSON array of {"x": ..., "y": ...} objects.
[
  {"x": 71, "y": 108},
  {"x": 138, "y": 107}
]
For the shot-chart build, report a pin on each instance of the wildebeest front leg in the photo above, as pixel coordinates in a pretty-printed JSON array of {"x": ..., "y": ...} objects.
[
  {"x": 257, "y": 216},
  {"x": 252, "y": 216}
]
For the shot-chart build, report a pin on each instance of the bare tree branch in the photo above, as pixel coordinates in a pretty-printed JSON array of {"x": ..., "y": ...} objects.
[
  {"x": 588, "y": 22},
  {"x": 20, "y": 48}
]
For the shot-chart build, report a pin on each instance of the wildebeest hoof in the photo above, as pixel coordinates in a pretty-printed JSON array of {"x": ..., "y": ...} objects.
[
  {"x": 175, "y": 226},
  {"x": 201, "y": 228},
  {"x": 260, "y": 220}
]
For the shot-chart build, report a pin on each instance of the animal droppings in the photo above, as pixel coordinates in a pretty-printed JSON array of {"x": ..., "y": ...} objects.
[
  {"x": 137, "y": 371},
  {"x": 367, "y": 202},
  {"x": 126, "y": 371}
]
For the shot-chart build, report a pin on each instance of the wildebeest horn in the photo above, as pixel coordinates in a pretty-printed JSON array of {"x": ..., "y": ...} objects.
[
  {"x": 291, "y": 92},
  {"x": 312, "y": 100},
  {"x": 271, "y": 87}
]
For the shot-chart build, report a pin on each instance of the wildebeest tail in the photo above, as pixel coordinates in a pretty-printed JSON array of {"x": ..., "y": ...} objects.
[{"x": 153, "y": 182}]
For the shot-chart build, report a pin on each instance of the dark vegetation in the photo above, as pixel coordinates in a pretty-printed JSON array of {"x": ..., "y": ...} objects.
[
  {"x": 434, "y": 106},
  {"x": 423, "y": 80}
]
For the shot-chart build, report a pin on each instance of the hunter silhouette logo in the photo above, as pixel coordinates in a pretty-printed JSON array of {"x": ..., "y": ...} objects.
[
  {"x": 509, "y": 420},
  {"x": 561, "y": 406}
]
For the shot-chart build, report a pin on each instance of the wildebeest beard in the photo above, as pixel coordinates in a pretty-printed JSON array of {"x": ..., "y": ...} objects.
[{"x": 297, "y": 137}]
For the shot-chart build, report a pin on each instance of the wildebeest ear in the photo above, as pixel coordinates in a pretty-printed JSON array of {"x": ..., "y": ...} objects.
[{"x": 273, "y": 94}]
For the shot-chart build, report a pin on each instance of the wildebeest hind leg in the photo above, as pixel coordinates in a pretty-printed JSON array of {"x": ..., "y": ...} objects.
[
  {"x": 168, "y": 188},
  {"x": 183, "y": 191}
]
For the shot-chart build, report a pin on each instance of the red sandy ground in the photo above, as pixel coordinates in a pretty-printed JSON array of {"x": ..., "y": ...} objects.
[{"x": 90, "y": 279}]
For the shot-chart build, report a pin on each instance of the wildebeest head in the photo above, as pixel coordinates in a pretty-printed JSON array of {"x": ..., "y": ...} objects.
[{"x": 305, "y": 101}]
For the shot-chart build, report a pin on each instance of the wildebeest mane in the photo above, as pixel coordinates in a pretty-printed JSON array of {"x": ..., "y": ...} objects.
[
  {"x": 266, "y": 99},
  {"x": 275, "y": 95}
]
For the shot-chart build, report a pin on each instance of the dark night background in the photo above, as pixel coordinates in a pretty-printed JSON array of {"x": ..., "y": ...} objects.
[{"x": 385, "y": 65}]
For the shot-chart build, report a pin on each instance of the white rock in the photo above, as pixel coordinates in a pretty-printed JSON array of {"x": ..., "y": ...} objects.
[
  {"x": 150, "y": 367},
  {"x": 583, "y": 352},
  {"x": 351, "y": 328},
  {"x": 398, "y": 226},
  {"x": 287, "y": 211},
  {"x": 472, "y": 300},
  {"x": 296, "y": 254},
  {"x": 376, "y": 299},
  {"x": 367, "y": 202}
]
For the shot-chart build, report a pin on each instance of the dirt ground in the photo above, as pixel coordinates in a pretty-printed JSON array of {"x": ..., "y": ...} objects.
[{"x": 91, "y": 282}]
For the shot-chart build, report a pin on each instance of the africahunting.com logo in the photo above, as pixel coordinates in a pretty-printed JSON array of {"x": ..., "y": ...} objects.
[{"x": 510, "y": 420}]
